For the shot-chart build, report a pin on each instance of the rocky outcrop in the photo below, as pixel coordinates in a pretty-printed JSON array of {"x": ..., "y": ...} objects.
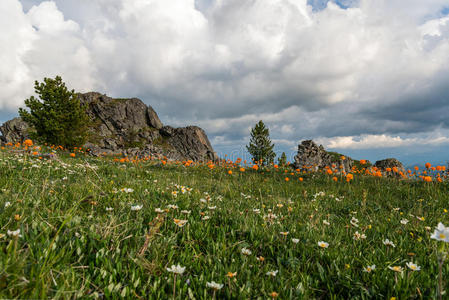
[
  {"x": 131, "y": 128},
  {"x": 391, "y": 164},
  {"x": 15, "y": 130},
  {"x": 310, "y": 155},
  {"x": 189, "y": 141}
]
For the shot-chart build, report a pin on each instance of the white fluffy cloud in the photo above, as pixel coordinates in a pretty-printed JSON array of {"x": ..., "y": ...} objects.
[
  {"x": 364, "y": 71},
  {"x": 381, "y": 141}
]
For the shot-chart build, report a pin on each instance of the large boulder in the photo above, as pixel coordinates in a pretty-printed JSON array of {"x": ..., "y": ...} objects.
[
  {"x": 310, "y": 155},
  {"x": 191, "y": 142},
  {"x": 119, "y": 117},
  {"x": 14, "y": 131},
  {"x": 391, "y": 164},
  {"x": 129, "y": 127}
]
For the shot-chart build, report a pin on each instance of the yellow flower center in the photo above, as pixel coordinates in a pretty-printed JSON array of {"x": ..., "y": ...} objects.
[{"x": 442, "y": 236}]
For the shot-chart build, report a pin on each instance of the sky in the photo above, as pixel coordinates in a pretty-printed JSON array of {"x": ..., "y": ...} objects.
[{"x": 367, "y": 78}]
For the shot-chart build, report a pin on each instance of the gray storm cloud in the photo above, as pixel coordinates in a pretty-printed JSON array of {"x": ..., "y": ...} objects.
[{"x": 378, "y": 67}]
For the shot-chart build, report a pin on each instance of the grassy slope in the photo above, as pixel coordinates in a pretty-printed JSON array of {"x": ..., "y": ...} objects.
[{"x": 72, "y": 247}]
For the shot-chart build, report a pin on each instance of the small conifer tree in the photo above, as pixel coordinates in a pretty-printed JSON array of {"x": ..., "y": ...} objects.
[
  {"x": 282, "y": 161},
  {"x": 57, "y": 117},
  {"x": 260, "y": 146}
]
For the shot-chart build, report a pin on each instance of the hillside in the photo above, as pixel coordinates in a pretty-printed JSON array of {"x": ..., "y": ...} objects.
[{"x": 79, "y": 226}]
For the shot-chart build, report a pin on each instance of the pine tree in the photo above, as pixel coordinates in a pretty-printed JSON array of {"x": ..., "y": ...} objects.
[
  {"x": 260, "y": 146},
  {"x": 282, "y": 161},
  {"x": 57, "y": 117}
]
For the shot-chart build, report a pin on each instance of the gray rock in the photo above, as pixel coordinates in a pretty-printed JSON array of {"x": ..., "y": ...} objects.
[
  {"x": 14, "y": 131},
  {"x": 310, "y": 155},
  {"x": 382, "y": 165},
  {"x": 130, "y": 127},
  {"x": 192, "y": 142},
  {"x": 153, "y": 118}
]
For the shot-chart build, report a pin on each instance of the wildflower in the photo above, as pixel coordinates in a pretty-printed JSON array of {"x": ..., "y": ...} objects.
[
  {"x": 420, "y": 218},
  {"x": 213, "y": 285},
  {"x": 205, "y": 218},
  {"x": 231, "y": 275},
  {"x": 172, "y": 206},
  {"x": 280, "y": 205},
  {"x": 295, "y": 241},
  {"x": 323, "y": 244},
  {"x": 260, "y": 258},
  {"x": 358, "y": 236},
  {"x": 180, "y": 223},
  {"x": 272, "y": 273},
  {"x": 396, "y": 268},
  {"x": 7, "y": 204},
  {"x": 187, "y": 212},
  {"x": 326, "y": 222},
  {"x": 387, "y": 242},
  {"x": 246, "y": 251},
  {"x": 136, "y": 207},
  {"x": 369, "y": 269},
  {"x": 354, "y": 222},
  {"x": 28, "y": 143},
  {"x": 441, "y": 233},
  {"x": 176, "y": 269},
  {"x": 127, "y": 190},
  {"x": 404, "y": 221},
  {"x": 158, "y": 210},
  {"x": 256, "y": 210},
  {"x": 284, "y": 233},
  {"x": 72, "y": 155},
  {"x": 273, "y": 295},
  {"x": 212, "y": 207},
  {"x": 413, "y": 267},
  {"x": 14, "y": 233},
  {"x": 109, "y": 209}
]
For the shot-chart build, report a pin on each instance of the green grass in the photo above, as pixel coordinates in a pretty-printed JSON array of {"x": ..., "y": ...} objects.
[{"x": 72, "y": 246}]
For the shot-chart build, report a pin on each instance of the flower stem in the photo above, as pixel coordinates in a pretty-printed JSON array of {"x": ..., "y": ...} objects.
[{"x": 174, "y": 287}]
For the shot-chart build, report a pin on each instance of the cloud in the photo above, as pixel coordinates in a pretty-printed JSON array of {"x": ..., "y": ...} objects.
[
  {"x": 381, "y": 141},
  {"x": 370, "y": 68}
]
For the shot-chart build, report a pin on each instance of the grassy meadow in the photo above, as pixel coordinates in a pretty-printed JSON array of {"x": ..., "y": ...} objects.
[{"x": 105, "y": 228}]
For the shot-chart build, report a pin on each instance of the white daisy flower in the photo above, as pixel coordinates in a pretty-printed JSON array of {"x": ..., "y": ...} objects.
[
  {"x": 323, "y": 244},
  {"x": 369, "y": 269},
  {"x": 176, "y": 269},
  {"x": 441, "y": 233},
  {"x": 413, "y": 267},
  {"x": 246, "y": 251},
  {"x": 214, "y": 285},
  {"x": 136, "y": 207},
  {"x": 272, "y": 273},
  {"x": 387, "y": 242}
]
